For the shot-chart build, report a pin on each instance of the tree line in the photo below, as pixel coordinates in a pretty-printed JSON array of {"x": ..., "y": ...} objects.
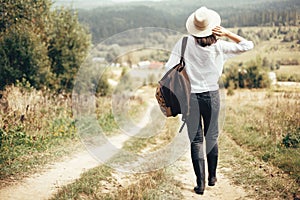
[{"x": 106, "y": 21}]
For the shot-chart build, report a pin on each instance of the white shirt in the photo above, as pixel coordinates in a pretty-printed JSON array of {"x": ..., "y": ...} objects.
[{"x": 204, "y": 65}]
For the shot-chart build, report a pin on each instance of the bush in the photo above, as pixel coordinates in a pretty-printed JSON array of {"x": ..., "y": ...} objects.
[
  {"x": 292, "y": 140},
  {"x": 248, "y": 75}
]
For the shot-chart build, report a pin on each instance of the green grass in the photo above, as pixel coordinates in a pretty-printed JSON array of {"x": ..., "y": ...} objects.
[
  {"x": 88, "y": 186},
  {"x": 22, "y": 154},
  {"x": 101, "y": 183},
  {"x": 105, "y": 116},
  {"x": 259, "y": 121},
  {"x": 260, "y": 180}
]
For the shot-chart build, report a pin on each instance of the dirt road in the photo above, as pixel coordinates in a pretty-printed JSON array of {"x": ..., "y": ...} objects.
[
  {"x": 224, "y": 188},
  {"x": 44, "y": 185}
]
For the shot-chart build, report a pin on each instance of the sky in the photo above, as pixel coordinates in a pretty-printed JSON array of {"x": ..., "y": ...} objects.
[{"x": 77, "y": 3}]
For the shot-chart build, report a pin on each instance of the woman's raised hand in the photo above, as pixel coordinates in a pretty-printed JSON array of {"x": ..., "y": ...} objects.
[{"x": 220, "y": 31}]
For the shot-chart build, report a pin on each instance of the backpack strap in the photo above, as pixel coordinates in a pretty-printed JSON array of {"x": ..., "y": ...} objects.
[
  {"x": 183, "y": 47},
  {"x": 182, "y": 126}
]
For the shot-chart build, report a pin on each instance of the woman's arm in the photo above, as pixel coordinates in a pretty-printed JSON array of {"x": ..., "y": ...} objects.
[
  {"x": 231, "y": 49},
  {"x": 221, "y": 31}
]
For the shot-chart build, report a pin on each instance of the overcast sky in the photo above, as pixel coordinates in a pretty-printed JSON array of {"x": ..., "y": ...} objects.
[
  {"x": 96, "y": 1},
  {"x": 93, "y": 3}
]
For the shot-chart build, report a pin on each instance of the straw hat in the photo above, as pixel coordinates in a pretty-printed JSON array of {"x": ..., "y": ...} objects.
[{"x": 202, "y": 21}]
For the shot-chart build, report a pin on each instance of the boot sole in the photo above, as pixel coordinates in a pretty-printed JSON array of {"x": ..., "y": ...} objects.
[
  {"x": 197, "y": 191},
  {"x": 211, "y": 184}
]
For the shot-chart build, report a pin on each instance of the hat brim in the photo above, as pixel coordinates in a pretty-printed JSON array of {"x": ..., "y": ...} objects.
[{"x": 213, "y": 18}]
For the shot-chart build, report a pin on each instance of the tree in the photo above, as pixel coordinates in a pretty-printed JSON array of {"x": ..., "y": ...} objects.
[
  {"x": 44, "y": 47},
  {"x": 23, "y": 56},
  {"x": 23, "y": 49},
  {"x": 29, "y": 13},
  {"x": 69, "y": 43}
]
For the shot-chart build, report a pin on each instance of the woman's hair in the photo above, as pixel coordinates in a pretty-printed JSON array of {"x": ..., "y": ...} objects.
[{"x": 206, "y": 41}]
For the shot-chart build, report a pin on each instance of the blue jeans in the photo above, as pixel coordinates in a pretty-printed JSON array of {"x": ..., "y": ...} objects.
[{"x": 203, "y": 121}]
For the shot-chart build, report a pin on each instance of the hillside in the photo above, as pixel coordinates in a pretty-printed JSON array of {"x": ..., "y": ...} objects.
[{"x": 111, "y": 18}]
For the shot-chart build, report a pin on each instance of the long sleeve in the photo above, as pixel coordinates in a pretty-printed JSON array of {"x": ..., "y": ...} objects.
[{"x": 231, "y": 49}]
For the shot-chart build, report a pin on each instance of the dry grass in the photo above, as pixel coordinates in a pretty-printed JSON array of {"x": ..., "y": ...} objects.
[
  {"x": 273, "y": 49},
  {"x": 260, "y": 122},
  {"x": 35, "y": 128},
  {"x": 289, "y": 69},
  {"x": 288, "y": 73},
  {"x": 104, "y": 183},
  {"x": 33, "y": 109}
]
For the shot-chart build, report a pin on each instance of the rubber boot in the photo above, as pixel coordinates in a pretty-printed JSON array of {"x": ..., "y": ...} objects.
[
  {"x": 199, "y": 168},
  {"x": 212, "y": 162}
]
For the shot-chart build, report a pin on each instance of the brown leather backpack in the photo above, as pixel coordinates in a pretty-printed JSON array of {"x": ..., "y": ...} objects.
[{"x": 174, "y": 90}]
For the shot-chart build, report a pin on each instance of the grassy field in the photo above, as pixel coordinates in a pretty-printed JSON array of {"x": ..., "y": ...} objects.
[
  {"x": 266, "y": 124},
  {"x": 288, "y": 73},
  {"x": 269, "y": 43},
  {"x": 289, "y": 69},
  {"x": 37, "y": 128}
]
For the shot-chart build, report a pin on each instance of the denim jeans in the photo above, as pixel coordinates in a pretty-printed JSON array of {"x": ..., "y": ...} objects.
[{"x": 203, "y": 122}]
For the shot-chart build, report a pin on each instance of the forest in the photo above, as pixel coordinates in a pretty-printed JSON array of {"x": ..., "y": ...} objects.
[{"x": 106, "y": 21}]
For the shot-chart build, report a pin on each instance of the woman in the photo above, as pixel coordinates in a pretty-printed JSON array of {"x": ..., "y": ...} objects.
[{"x": 204, "y": 57}]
